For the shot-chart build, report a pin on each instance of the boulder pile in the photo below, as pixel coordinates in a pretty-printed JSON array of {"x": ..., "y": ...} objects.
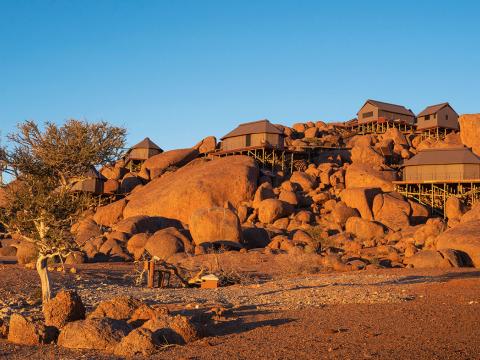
[
  {"x": 340, "y": 203},
  {"x": 123, "y": 326}
]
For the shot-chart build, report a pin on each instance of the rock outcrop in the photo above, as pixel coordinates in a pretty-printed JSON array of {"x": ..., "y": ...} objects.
[
  {"x": 463, "y": 237},
  {"x": 470, "y": 131},
  {"x": 210, "y": 184}
]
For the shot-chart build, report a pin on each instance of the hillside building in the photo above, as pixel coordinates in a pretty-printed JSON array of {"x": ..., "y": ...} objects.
[
  {"x": 437, "y": 121},
  {"x": 91, "y": 182},
  {"x": 374, "y": 111},
  {"x": 260, "y": 133},
  {"x": 434, "y": 175},
  {"x": 140, "y": 152}
]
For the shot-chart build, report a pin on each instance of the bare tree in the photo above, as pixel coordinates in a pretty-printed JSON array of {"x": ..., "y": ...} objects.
[{"x": 41, "y": 207}]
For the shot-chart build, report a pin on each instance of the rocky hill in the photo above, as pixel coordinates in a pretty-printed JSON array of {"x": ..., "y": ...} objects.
[{"x": 341, "y": 205}]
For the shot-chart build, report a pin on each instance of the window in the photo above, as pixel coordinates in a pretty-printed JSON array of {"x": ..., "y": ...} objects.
[
  {"x": 248, "y": 140},
  {"x": 367, "y": 114},
  {"x": 446, "y": 117},
  {"x": 427, "y": 117}
]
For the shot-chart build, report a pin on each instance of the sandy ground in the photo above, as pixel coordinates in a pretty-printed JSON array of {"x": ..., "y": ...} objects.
[{"x": 280, "y": 314}]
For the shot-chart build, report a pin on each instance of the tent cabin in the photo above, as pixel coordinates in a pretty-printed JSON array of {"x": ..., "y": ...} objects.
[
  {"x": 137, "y": 154},
  {"x": 440, "y": 165},
  {"x": 374, "y": 111},
  {"x": 438, "y": 116},
  {"x": 92, "y": 182},
  {"x": 261, "y": 133}
]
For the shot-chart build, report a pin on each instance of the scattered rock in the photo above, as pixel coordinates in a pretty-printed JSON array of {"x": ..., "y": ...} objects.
[
  {"x": 66, "y": 306},
  {"x": 98, "y": 334}
]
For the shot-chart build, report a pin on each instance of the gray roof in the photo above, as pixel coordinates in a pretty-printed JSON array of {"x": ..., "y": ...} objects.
[
  {"x": 460, "y": 155},
  {"x": 254, "y": 127},
  {"x": 396, "y": 109},
  {"x": 146, "y": 144},
  {"x": 433, "y": 109}
]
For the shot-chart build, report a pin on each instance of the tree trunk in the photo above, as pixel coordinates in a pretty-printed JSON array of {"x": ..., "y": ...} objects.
[{"x": 42, "y": 270}]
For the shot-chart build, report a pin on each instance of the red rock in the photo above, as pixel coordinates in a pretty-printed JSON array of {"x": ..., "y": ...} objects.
[
  {"x": 166, "y": 243},
  {"x": 178, "y": 195},
  {"x": 157, "y": 164},
  {"x": 26, "y": 332},
  {"x": 273, "y": 209},
  {"x": 65, "y": 307},
  {"x": 215, "y": 225},
  {"x": 98, "y": 334},
  {"x": 110, "y": 214}
]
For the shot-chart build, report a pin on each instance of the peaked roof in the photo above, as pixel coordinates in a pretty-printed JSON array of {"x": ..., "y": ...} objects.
[
  {"x": 94, "y": 174},
  {"x": 443, "y": 156},
  {"x": 254, "y": 127},
  {"x": 146, "y": 144},
  {"x": 433, "y": 109},
  {"x": 397, "y": 109}
]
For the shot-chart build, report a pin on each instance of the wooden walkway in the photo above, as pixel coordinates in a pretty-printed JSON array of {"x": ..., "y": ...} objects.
[{"x": 434, "y": 194}]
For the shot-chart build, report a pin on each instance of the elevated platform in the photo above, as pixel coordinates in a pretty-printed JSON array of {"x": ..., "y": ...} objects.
[
  {"x": 379, "y": 126},
  {"x": 437, "y": 133},
  {"x": 267, "y": 157},
  {"x": 276, "y": 159},
  {"x": 434, "y": 193}
]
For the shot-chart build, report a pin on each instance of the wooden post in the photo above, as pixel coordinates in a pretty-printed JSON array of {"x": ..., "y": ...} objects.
[{"x": 151, "y": 273}]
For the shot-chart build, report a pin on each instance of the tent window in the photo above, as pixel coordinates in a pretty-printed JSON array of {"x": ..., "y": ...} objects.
[{"x": 248, "y": 140}]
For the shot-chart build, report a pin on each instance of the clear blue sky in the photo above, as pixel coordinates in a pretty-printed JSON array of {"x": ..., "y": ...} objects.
[{"x": 177, "y": 71}]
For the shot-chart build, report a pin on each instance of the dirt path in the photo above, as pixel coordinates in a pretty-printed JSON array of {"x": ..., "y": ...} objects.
[{"x": 396, "y": 314}]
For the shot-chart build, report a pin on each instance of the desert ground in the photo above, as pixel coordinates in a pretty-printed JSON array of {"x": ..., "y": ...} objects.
[{"x": 282, "y": 308}]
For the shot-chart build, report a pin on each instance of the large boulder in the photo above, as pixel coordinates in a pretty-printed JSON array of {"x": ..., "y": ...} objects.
[
  {"x": 85, "y": 230},
  {"x": 110, "y": 214},
  {"x": 166, "y": 243},
  {"x": 210, "y": 184},
  {"x": 263, "y": 192},
  {"x": 156, "y": 165},
  {"x": 98, "y": 334},
  {"x": 65, "y": 307},
  {"x": 396, "y": 135},
  {"x": 177, "y": 329},
  {"x": 129, "y": 183},
  {"x": 427, "y": 259},
  {"x": 463, "y": 237},
  {"x": 207, "y": 145},
  {"x": 303, "y": 180},
  {"x": 341, "y": 213},
  {"x": 361, "y": 175},
  {"x": 364, "y": 229},
  {"x": 453, "y": 208},
  {"x": 26, "y": 332},
  {"x": 360, "y": 199},
  {"x": 136, "y": 245},
  {"x": 392, "y": 210},
  {"x": 470, "y": 131},
  {"x": 366, "y": 155},
  {"x": 215, "y": 225},
  {"x": 472, "y": 214},
  {"x": 427, "y": 233},
  {"x": 419, "y": 214},
  {"x": 138, "y": 342},
  {"x": 118, "y": 308},
  {"x": 144, "y": 224},
  {"x": 270, "y": 210}
]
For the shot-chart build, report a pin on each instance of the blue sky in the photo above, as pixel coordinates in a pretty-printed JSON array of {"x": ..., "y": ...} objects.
[{"x": 178, "y": 70}]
